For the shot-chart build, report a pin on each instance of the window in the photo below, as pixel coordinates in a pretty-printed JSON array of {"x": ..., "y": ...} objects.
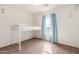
[
  {"x": 48, "y": 25},
  {"x": 48, "y": 21}
]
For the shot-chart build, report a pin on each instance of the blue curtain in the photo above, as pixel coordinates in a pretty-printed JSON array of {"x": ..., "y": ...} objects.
[
  {"x": 54, "y": 34},
  {"x": 43, "y": 27}
]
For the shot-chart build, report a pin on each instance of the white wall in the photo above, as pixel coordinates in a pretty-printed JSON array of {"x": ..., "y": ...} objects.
[
  {"x": 38, "y": 19},
  {"x": 13, "y": 16},
  {"x": 68, "y": 29}
]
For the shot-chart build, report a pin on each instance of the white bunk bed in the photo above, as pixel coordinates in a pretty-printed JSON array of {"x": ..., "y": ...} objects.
[{"x": 23, "y": 27}]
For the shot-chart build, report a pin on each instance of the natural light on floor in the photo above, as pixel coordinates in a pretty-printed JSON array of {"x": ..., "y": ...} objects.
[{"x": 47, "y": 48}]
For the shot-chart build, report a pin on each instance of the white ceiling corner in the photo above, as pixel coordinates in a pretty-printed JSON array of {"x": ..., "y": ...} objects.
[{"x": 34, "y": 8}]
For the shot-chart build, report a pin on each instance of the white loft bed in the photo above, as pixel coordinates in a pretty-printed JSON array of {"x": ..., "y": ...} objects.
[{"x": 23, "y": 27}]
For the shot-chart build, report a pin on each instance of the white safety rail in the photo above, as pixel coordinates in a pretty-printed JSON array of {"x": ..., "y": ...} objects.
[{"x": 23, "y": 27}]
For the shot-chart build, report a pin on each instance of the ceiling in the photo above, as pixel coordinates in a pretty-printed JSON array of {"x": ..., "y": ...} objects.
[{"x": 34, "y": 8}]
